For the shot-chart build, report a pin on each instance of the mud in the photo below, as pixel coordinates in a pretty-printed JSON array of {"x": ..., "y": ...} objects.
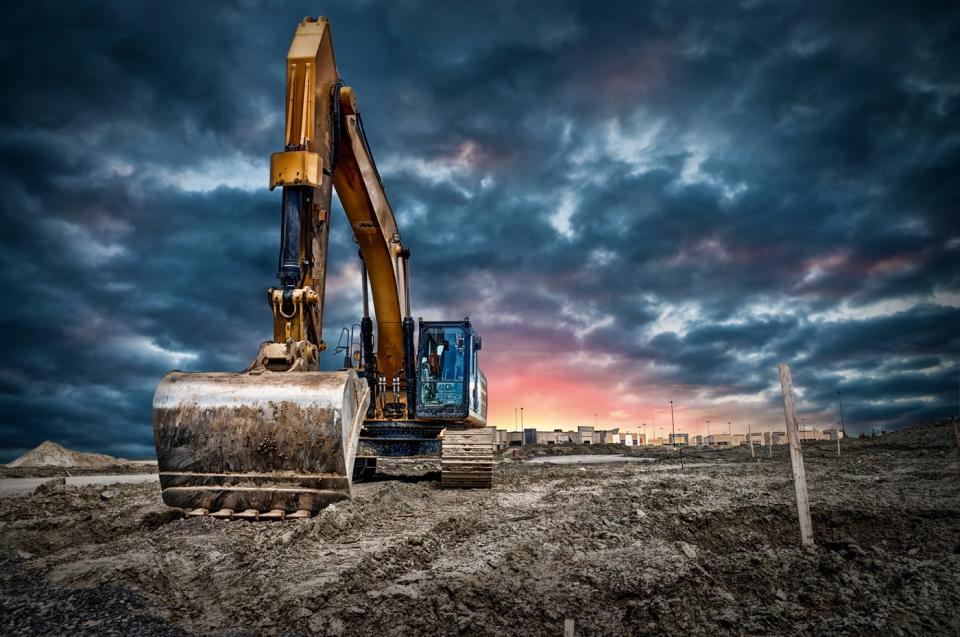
[{"x": 621, "y": 548}]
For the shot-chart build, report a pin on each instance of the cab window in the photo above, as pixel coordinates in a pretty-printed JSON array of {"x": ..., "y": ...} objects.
[{"x": 442, "y": 366}]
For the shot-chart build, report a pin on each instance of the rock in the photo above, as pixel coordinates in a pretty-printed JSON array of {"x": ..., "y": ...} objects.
[
  {"x": 855, "y": 550},
  {"x": 336, "y": 627},
  {"x": 108, "y": 494},
  {"x": 398, "y": 590},
  {"x": 315, "y": 623},
  {"x": 689, "y": 550},
  {"x": 727, "y": 617},
  {"x": 57, "y": 485},
  {"x": 781, "y": 595},
  {"x": 157, "y": 517},
  {"x": 303, "y": 612},
  {"x": 24, "y": 555}
]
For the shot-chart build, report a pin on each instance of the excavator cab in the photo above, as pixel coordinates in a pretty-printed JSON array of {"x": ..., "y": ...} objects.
[{"x": 450, "y": 385}]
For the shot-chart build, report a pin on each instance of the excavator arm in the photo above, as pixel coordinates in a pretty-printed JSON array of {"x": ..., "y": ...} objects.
[{"x": 325, "y": 146}]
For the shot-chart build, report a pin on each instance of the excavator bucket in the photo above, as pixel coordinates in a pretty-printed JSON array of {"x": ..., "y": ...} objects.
[{"x": 278, "y": 442}]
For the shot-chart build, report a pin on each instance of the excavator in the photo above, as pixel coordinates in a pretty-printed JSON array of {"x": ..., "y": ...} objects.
[{"x": 283, "y": 439}]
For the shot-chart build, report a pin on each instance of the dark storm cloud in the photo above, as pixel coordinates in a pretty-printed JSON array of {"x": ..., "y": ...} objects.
[{"x": 699, "y": 190}]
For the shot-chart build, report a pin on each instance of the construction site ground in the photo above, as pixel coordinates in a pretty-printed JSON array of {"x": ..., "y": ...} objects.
[{"x": 619, "y": 548}]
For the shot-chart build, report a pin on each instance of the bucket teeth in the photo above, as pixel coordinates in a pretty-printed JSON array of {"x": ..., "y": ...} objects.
[
  {"x": 197, "y": 513},
  {"x": 253, "y": 514}
]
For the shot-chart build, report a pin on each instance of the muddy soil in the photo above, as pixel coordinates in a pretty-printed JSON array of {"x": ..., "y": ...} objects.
[
  {"x": 124, "y": 468},
  {"x": 622, "y": 548}
]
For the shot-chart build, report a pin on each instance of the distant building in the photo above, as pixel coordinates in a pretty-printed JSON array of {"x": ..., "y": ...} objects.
[
  {"x": 720, "y": 440},
  {"x": 589, "y": 435},
  {"x": 806, "y": 436},
  {"x": 504, "y": 439},
  {"x": 778, "y": 437}
]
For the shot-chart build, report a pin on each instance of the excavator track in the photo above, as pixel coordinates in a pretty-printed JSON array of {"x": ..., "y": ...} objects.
[{"x": 467, "y": 460}]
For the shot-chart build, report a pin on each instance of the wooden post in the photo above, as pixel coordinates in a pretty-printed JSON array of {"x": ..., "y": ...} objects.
[
  {"x": 750, "y": 438},
  {"x": 956, "y": 434},
  {"x": 796, "y": 455},
  {"x": 568, "y": 627}
]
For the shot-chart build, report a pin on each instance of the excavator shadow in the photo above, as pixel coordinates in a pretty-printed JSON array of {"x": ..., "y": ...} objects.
[{"x": 430, "y": 476}]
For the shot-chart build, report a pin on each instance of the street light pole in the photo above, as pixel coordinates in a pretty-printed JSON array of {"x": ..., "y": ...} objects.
[
  {"x": 521, "y": 417},
  {"x": 843, "y": 427},
  {"x": 673, "y": 428}
]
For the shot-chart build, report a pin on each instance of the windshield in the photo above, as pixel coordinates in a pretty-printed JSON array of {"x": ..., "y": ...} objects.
[{"x": 442, "y": 352}]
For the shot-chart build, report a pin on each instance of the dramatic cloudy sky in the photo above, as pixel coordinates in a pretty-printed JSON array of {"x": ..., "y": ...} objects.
[{"x": 634, "y": 204}]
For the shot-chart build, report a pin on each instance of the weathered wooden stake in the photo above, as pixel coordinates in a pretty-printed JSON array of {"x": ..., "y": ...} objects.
[
  {"x": 568, "y": 627},
  {"x": 956, "y": 435},
  {"x": 796, "y": 455},
  {"x": 750, "y": 438}
]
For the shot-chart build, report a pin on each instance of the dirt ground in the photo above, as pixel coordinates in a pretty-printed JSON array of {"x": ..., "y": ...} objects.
[{"x": 622, "y": 548}]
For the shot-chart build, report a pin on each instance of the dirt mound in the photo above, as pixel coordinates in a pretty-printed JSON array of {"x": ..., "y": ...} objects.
[{"x": 50, "y": 454}]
